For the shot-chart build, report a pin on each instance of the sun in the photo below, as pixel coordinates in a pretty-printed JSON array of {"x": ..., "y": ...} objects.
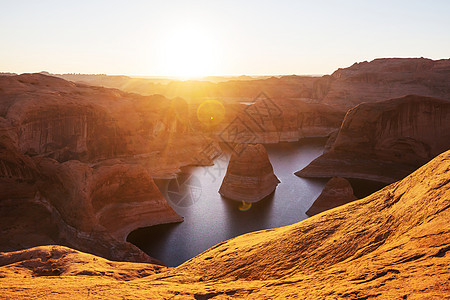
[{"x": 188, "y": 53}]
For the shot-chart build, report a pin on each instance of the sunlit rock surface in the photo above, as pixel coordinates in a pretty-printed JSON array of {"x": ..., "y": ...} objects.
[
  {"x": 336, "y": 192},
  {"x": 249, "y": 176},
  {"x": 62, "y": 261},
  {"x": 387, "y": 140},
  {"x": 393, "y": 244}
]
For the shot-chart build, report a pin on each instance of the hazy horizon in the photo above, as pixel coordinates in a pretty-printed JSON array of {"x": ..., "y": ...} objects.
[
  {"x": 167, "y": 76},
  {"x": 199, "y": 39}
]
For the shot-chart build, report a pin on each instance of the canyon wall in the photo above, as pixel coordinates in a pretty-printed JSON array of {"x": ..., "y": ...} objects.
[
  {"x": 385, "y": 141},
  {"x": 294, "y": 107},
  {"x": 384, "y": 78},
  {"x": 77, "y": 164},
  {"x": 95, "y": 208},
  {"x": 273, "y": 121},
  {"x": 55, "y": 118}
]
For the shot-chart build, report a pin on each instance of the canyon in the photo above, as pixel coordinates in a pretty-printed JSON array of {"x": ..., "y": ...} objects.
[
  {"x": 80, "y": 161},
  {"x": 83, "y": 158},
  {"x": 77, "y": 164},
  {"x": 393, "y": 243}
]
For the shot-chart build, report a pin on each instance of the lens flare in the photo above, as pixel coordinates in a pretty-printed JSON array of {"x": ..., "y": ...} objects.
[
  {"x": 211, "y": 112},
  {"x": 245, "y": 206}
]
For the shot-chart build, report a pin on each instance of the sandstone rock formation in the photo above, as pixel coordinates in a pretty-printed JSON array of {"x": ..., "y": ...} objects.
[
  {"x": 279, "y": 120},
  {"x": 385, "y": 141},
  {"x": 77, "y": 164},
  {"x": 299, "y": 106},
  {"x": 63, "y": 261},
  {"x": 392, "y": 244},
  {"x": 384, "y": 78},
  {"x": 90, "y": 208},
  {"x": 249, "y": 176},
  {"x": 338, "y": 191}
]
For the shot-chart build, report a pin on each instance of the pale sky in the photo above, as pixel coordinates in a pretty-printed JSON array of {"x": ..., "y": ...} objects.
[{"x": 193, "y": 38}]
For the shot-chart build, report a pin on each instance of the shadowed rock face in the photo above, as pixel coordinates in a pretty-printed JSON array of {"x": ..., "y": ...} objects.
[
  {"x": 77, "y": 161},
  {"x": 51, "y": 117},
  {"x": 385, "y": 141},
  {"x": 88, "y": 208},
  {"x": 23, "y": 223},
  {"x": 95, "y": 208},
  {"x": 391, "y": 244},
  {"x": 124, "y": 197},
  {"x": 249, "y": 176},
  {"x": 336, "y": 192}
]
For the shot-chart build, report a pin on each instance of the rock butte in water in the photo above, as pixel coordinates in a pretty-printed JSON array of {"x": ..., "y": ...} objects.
[
  {"x": 387, "y": 140},
  {"x": 336, "y": 192},
  {"x": 249, "y": 176},
  {"x": 393, "y": 244}
]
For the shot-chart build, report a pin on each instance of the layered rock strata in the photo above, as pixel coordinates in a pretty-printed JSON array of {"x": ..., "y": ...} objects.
[
  {"x": 384, "y": 78},
  {"x": 279, "y": 120},
  {"x": 249, "y": 176},
  {"x": 77, "y": 164},
  {"x": 299, "y": 106},
  {"x": 387, "y": 140}
]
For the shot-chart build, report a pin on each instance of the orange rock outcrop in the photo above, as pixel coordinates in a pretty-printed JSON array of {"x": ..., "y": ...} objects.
[
  {"x": 338, "y": 191},
  {"x": 249, "y": 176},
  {"x": 387, "y": 140}
]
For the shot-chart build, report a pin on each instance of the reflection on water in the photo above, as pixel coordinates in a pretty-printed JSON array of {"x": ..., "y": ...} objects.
[
  {"x": 210, "y": 219},
  {"x": 245, "y": 206}
]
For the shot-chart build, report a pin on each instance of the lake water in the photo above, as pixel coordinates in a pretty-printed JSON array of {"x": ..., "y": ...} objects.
[{"x": 210, "y": 219}]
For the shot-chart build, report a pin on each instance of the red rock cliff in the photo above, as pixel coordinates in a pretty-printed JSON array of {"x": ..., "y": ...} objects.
[
  {"x": 77, "y": 161},
  {"x": 385, "y": 141}
]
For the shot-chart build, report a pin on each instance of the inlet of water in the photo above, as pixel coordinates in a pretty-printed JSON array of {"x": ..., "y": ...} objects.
[{"x": 210, "y": 219}]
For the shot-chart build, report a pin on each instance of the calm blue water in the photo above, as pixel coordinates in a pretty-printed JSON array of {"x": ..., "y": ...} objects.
[{"x": 210, "y": 219}]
